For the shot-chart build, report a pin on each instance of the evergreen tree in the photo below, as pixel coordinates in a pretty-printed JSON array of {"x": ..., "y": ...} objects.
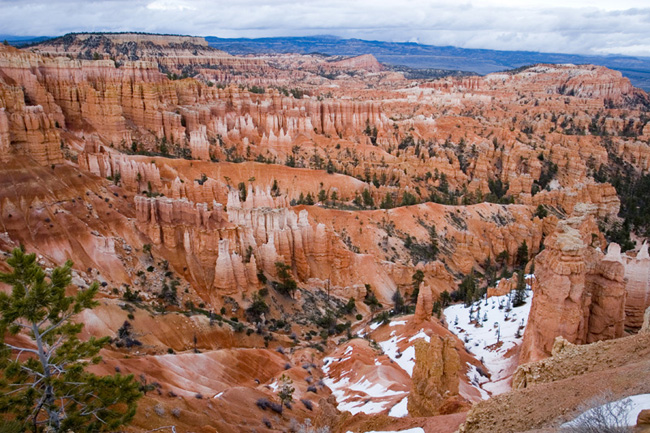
[
  {"x": 371, "y": 300},
  {"x": 387, "y": 202},
  {"x": 418, "y": 278},
  {"x": 398, "y": 299},
  {"x": 285, "y": 393},
  {"x": 368, "y": 201},
  {"x": 287, "y": 284},
  {"x": 520, "y": 291},
  {"x": 433, "y": 237},
  {"x": 522, "y": 254},
  {"x": 242, "y": 191},
  {"x": 44, "y": 385},
  {"x": 541, "y": 212},
  {"x": 257, "y": 308}
]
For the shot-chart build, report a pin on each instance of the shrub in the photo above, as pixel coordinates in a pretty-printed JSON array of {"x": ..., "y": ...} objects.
[
  {"x": 287, "y": 285},
  {"x": 308, "y": 404},
  {"x": 602, "y": 415},
  {"x": 276, "y": 407},
  {"x": 263, "y": 403}
]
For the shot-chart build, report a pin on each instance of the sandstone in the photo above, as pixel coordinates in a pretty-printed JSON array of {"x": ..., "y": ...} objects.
[
  {"x": 435, "y": 376},
  {"x": 643, "y": 419},
  {"x": 424, "y": 304},
  {"x": 580, "y": 294},
  {"x": 637, "y": 274}
]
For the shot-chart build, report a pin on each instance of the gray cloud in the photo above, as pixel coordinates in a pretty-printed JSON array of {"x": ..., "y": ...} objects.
[{"x": 589, "y": 27}]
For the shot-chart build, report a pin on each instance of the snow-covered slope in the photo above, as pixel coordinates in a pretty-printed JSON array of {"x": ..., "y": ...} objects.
[{"x": 491, "y": 328}]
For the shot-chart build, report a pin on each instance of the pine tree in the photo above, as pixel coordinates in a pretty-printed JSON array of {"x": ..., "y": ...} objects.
[
  {"x": 519, "y": 297},
  {"x": 398, "y": 299},
  {"x": 417, "y": 279},
  {"x": 44, "y": 385},
  {"x": 522, "y": 254},
  {"x": 387, "y": 202},
  {"x": 285, "y": 393}
]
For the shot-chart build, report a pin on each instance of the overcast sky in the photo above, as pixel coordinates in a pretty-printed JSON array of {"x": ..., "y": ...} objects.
[{"x": 568, "y": 26}]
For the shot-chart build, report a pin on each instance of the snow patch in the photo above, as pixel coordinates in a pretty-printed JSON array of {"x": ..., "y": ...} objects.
[
  {"x": 490, "y": 328},
  {"x": 400, "y": 410},
  {"x": 355, "y": 397},
  {"x": 406, "y": 358},
  {"x": 637, "y": 403}
]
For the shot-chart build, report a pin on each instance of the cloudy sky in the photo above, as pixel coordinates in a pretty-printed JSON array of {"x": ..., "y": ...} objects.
[{"x": 568, "y": 26}]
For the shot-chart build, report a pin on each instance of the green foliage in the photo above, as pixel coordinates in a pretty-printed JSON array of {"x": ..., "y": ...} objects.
[
  {"x": 522, "y": 254},
  {"x": 437, "y": 309},
  {"x": 498, "y": 191},
  {"x": 202, "y": 179},
  {"x": 322, "y": 196},
  {"x": 242, "y": 191},
  {"x": 372, "y": 133},
  {"x": 287, "y": 285},
  {"x": 503, "y": 257},
  {"x": 632, "y": 188},
  {"x": 169, "y": 292},
  {"x": 519, "y": 297},
  {"x": 146, "y": 248},
  {"x": 131, "y": 296},
  {"x": 286, "y": 390},
  {"x": 382, "y": 318},
  {"x": 257, "y": 89},
  {"x": 407, "y": 141},
  {"x": 371, "y": 300},
  {"x": 368, "y": 201},
  {"x": 468, "y": 290},
  {"x": 426, "y": 252},
  {"x": 349, "y": 307},
  {"x": 387, "y": 202},
  {"x": 417, "y": 279},
  {"x": 330, "y": 167},
  {"x": 549, "y": 171},
  {"x": 275, "y": 189},
  {"x": 541, "y": 212},
  {"x": 445, "y": 299},
  {"x": 44, "y": 385},
  {"x": 257, "y": 308},
  {"x": 399, "y": 304},
  {"x": 408, "y": 199}
]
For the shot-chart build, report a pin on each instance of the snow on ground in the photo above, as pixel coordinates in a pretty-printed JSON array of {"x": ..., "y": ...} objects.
[
  {"x": 637, "y": 403},
  {"x": 490, "y": 328},
  {"x": 274, "y": 386},
  {"x": 400, "y": 409},
  {"x": 405, "y": 359},
  {"x": 477, "y": 380},
  {"x": 355, "y": 397}
]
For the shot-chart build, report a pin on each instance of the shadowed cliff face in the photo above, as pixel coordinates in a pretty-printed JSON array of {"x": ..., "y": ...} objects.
[{"x": 282, "y": 201}]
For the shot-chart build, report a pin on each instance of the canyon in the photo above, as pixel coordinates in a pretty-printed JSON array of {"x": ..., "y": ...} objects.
[{"x": 312, "y": 217}]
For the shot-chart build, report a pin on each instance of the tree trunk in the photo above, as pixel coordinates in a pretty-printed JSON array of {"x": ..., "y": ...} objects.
[{"x": 54, "y": 419}]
